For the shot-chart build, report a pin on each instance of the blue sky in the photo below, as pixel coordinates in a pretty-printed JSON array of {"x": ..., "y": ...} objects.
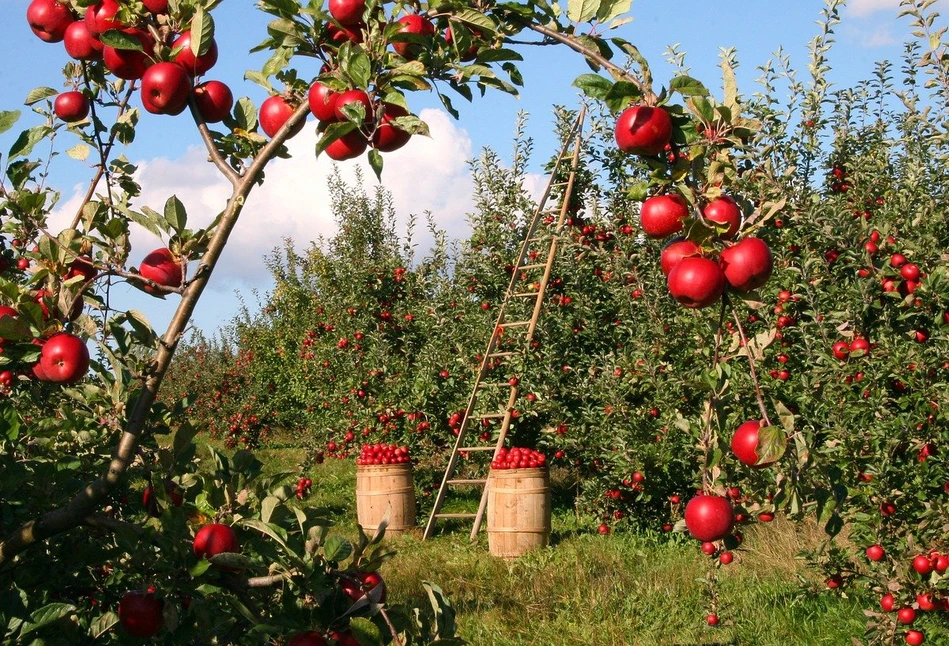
[{"x": 294, "y": 202}]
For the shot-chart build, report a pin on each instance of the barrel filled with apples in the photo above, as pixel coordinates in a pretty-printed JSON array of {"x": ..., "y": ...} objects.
[
  {"x": 384, "y": 483},
  {"x": 518, "y": 503}
]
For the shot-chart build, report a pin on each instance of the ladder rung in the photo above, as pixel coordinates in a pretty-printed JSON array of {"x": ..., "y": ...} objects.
[
  {"x": 539, "y": 265},
  {"x": 468, "y": 482},
  {"x": 495, "y": 384},
  {"x": 492, "y": 416},
  {"x": 455, "y": 515},
  {"x": 525, "y": 294},
  {"x": 516, "y": 324},
  {"x": 503, "y": 354},
  {"x": 477, "y": 448}
]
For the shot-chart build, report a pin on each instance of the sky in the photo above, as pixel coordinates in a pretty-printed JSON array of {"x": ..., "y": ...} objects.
[{"x": 428, "y": 174}]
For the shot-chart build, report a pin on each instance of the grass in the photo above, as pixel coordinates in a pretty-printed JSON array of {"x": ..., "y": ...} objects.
[{"x": 625, "y": 588}]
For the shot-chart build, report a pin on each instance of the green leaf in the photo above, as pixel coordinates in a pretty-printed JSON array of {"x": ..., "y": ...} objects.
[
  {"x": 772, "y": 444},
  {"x": 593, "y": 85},
  {"x": 582, "y": 10},
  {"x": 273, "y": 531},
  {"x": 375, "y": 162},
  {"x": 175, "y": 214},
  {"x": 7, "y": 119},
  {"x": 9, "y": 421},
  {"x": 120, "y": 40},
  {"x": 332, "y": 133},
  {"x": 687, "y": 86},
  {"x": 337, "y": 548},
  {"x": 366, "y": 632},
  {"x": 46, "y": 615},
  {"x": 267, "y": 507},
  {"x": 476, "y": 19},
  {"x": 38, "y": 94},
  {"x": 79, "y": 152},
  {"x": 245, "y": 114},
  {"x": 609, "y": 10},
  {"x": 27, "y": 140},
  {"x": 202, "y": 32},
  {"x": 199, "y": 568}
]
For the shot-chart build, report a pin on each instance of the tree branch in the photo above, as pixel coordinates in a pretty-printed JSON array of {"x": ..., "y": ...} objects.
[
  {"x": 232, "y": 176},
  {"x": 85, "y": 501}
]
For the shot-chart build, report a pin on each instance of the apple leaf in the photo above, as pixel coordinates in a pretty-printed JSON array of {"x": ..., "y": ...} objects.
[
  {"x": 202, "y": 32},
  {"x": 582, "y": 10},
  {"x": 498, "y": 55},
  {"x": 175, "y": 214},
  {"x": 147, "y": 220},
  {"x": 120, "y": 40},
  {"x": 48, "y": 614},
  {"x": 609, "y": 10},
  {"x": 687, "y": 86},
  {"x": 38, "y": 94},
  {"x": 245, "y": 114},
  {"x": 593, "y": 85},
  {"x": 79, "y": 152},
  {"x": 476, "y": 19},
  {"x": 27, "y": 140},
  {"x": 772, "y": 444},
  {"x": 444, "y": 614},
  {"x": 103, "y": 624},
  {"x": 375, "y": 162},
  {"x": 9, "y": 423},
  {"x": 7, "y": 119},
  {"x": 621, "y": 94},
  {"x": 337, "y": 549},
  {"x": 365, "y": 632}
]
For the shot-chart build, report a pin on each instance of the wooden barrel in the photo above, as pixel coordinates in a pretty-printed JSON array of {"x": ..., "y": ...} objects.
[
  {"x": 379, "y": 487},
  {"x": 518, "y": 511}
]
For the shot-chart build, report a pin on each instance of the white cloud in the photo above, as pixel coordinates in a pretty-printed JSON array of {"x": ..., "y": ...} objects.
[
  {"x": 428, "y": 174},
  {"x": 881, "y": 36}
]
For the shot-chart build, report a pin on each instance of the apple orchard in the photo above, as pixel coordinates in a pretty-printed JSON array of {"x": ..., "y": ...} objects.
[{"x": 747, "y": 318}]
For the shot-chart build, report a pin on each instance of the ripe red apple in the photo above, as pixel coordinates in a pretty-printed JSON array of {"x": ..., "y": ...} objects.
[
  {"x": 195, "y": 65},
  {"x": 347, "y": 33},
  {"x": 922, "y": 565},
  {"x": 834, "y": 582},
  {"x": 711, "y": 620},
  {"x": 100, "y": 17},
  {"x": 696, "y": 282},
  {"x": 215, "y": 539},
  {"x": 214, "y": 100},
  {"x": 472, "y": 52},
  {"x": 709, "y": 518},
  {"x": 887, "y": 602},
  {"x": 347, "y": 12},
  {"x": 353, "y": 97},
  {"x": 151, "y": 505},
  {"x": 662, "y": 215},
  {"x": 897, "y": 260},
  {"x": 162, "y": 267},
  {"x": 49, "y": 19},
  {"x": 416, "y": 25},
  {"x": 140, "y": 614},
  {"x": 71, "y": 106},
  {"x": 926, "y": 602},
  {"x": 675, "y": 251},
  {"x": 910, "y": 271},
  {"x": 860, "y": 345},
  {"x": 745, "y": 445},
  {"x": 344, "y": 638},
  {"x": 841, "y": 350},
  {"x": 906, "y": 615},
  {"x": 875, "y": 553},
  {"x": 156, "y": 6},
  {"x": 349, "y": 146},
  {"x": 80, "y": 44},
  {"x": 915, "y": 637},
  {"x": 165, "y": 88},
  {"x": 747, "y": 265},
  {"x": 274, "y": 112},
  {"x": 387, "y": 138},
  {"x": 322, "y": 102},
  {"x": 129, "y": 64},
  {"x": 724, "y": 210},
  {"x": 311, "y": 638},
  {"x": 361, "y": 583},
  {"x": 64, "y": 358},
  {"x": 643, "y": 130}
]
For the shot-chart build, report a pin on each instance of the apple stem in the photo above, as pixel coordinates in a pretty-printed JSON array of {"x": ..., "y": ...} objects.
[{"x": 751, "y": 365}]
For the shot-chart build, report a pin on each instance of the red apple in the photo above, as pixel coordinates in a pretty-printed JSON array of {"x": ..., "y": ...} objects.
[
  {"x": 745, "y": 445},
  {"x": 362, "y": 583},
  {"x": 151, "y": 505},
  {"x": 643, "y": 130},
  {"x": 906, "y": 615},
  {"x": 747, "y": 265},
  {"x": 322, "y": 101},
  {"x": 129, "y": 64},
  {"x": 49, "y": 19},
  {"x": 344, "y": 638},
  {"x": 887, "y": 602},
  {"x": 472, "y": 52},
  {"x": 162, "y": 267},
  {"x": 860, "y": 345},
  {"x": 709, "y": 518},
  {"x": 675, "y": 251},
  {"x": 140, "y": 614},
  {"x": 662, "y": 215},
  {"x": 215, "y": 539},
  {"x": 724, "y": 210},
  {"x": 922, "y": 565},
  {"x": 353, "y": 97},
  {"x": 415, "y": 25},
  {"x": 80, "y": 44},
  {"x": 311, "y": 638},
  {"x": 349, "y": 146},
  {"x": 100, "y": 17},
  {"x": 347, "y": 12},
  {"x": 195, "y": 65},
  {"x": 165, "y": 88},
  {"x": 64, "y": 358},
  {"x": 156, "y": 6},
  {"x": 71, "y": 106},
  {"x": 387, "y": 138},
  {"x": 696, "y": 282},
  {"x": 214, "y": 101},
  {"x": 915, "y": 637},
  {"x": 841, "y": 350},
  {"x": 875, "y": 553},
  {"x": 274, "y": 112},
  {"x": 347, "y": 33}
]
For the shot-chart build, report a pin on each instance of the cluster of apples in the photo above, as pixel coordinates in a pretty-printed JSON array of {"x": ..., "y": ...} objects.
[
  {"x": 519, "y": 458},
  {"x": 694, "y": 279},
  {"x": 166, "y": 68},
  {"x": 376, "y": 454}
]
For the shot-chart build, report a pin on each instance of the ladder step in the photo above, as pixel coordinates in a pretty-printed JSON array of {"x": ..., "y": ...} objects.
[
  {"x": 468, "y": 482},
  {"x": 515, "y": 324},
  {"x": 495, "y": 384},
  {"x": 503, "y": 354},
  {"x": 539, "y": 265},
  {"x": 525, "y": 294},
  {"x": 492, "y": 416},
  {"x": 455, "y": 515},
  {"x": 477, "y": 448}
]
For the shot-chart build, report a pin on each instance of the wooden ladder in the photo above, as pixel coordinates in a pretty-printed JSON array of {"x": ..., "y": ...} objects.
[{"x": 561, "y": 182}]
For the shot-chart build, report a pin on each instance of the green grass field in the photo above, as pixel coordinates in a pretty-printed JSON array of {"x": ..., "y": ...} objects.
[{"x": 619, "y": 589}]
